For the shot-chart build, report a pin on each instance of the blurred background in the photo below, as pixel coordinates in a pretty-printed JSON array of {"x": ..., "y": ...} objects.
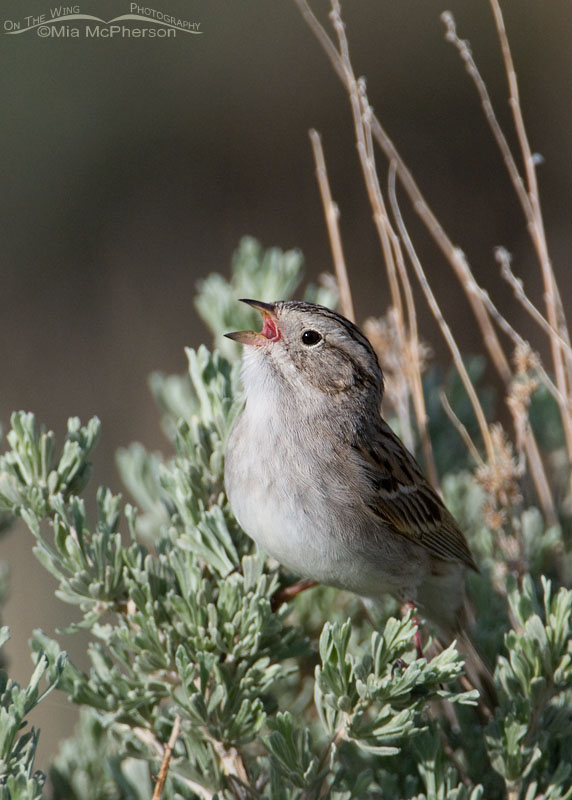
[{"x": 132, "y": 167}]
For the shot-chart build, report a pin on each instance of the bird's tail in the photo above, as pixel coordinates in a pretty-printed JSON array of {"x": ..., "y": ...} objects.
[
  {"x": 478, "y": 672},
  {"x": 477, "y": 669}
]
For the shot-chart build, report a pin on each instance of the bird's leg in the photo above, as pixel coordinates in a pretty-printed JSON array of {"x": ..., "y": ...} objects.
[
  {"x": 288, "y": 592},
  {"x": 409, "y": 606}
]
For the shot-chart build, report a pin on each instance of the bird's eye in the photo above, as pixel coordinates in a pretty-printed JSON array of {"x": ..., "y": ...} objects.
[{"x": 311, "y": 337}]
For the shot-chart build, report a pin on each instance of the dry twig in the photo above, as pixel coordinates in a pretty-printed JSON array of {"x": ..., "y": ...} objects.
[
  {"x": 332, "y": 214},
  {"x": 529, "y": 198},
  {"x": 149, "y": 740},
  {"x": 443, "y": 325},
  {"x": 461, "y": 429},
  {"x": 389, "y": 242},
  {"x": 504, "y": 258},
  {"x": 168, "y": 754}
]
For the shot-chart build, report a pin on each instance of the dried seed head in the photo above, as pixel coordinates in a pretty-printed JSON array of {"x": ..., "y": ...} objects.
[
  {"x": 395, "y": 354},
  {"x": 383, "y": 334},
  {"x": 500, "y": 479},
  {"x": 521, "y": 389},
  {"x": 494, "y": 517},
  {"x": 525, "y": 359}
]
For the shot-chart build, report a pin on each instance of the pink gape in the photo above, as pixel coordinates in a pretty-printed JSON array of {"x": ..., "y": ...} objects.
[{"x": 270, "y": 329}]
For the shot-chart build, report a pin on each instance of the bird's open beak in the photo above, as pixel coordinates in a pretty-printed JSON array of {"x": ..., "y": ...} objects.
[{"x": 269, "y": 332}]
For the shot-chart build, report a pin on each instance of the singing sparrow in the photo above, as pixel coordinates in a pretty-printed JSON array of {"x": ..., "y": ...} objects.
[{"x": 320, "y": 481}]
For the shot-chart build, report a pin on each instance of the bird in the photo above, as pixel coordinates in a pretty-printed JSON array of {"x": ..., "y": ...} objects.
[{"x": 319, "y": 480}]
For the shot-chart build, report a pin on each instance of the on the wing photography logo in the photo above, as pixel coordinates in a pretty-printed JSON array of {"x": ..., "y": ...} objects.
[{"x": 70, "y": 22}]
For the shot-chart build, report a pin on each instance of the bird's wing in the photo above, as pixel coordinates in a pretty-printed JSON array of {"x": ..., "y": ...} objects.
[{"x": 404, "y": 501}]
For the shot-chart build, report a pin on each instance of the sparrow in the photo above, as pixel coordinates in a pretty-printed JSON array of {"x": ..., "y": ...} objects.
[{"x": 319, "y": 480}]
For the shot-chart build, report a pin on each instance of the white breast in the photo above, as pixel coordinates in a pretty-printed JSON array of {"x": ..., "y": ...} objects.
[{"x": 269, "y": 492}]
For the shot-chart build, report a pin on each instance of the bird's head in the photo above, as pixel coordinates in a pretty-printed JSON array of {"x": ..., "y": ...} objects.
[{"x": 311, "y": 351}]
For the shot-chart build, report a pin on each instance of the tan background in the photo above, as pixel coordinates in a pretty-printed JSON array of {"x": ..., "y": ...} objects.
[{"x": 131, "y": 168}]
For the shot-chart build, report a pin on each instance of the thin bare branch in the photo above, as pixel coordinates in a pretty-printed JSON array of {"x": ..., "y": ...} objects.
[
  {"x": 461, "y": 429},
  {"x": 529, "y": 162},
  {"x": 519, "y": 340},
  {"x": 367, "y": 161},
  {"x": 168, "y": 754},
  {"x": 464, "y": 51},
  {"x": 538, "y": 473},
  {"x": 332, "y": 215},
  {"x": 535, "y": 465},
  {"x": 150, "y": 740},
  {"x": 385, "y": 230},
  {"x": 445, "y": 330},
  {"x": 528, "y": 197},
  {"x": 361, "y": 112},
  {"x": 319, "y": 31},
  {"x": 414, "y": 362},
  {"x": 554, "y": 309},
  {"x": 504, "y": 259}
]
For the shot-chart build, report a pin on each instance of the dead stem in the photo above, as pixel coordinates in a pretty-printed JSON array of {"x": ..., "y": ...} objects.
[
  {"x": 461, "y": 429},
  {"x": 529, "y": 199},
  {"x": 536, "y": 467},
  {"x": 168, "y": 754},
  {"x": 445, "y": 329},
  {"x": 150, "y": 740},
  {"x": 538, "y": 473},
  {"x": 536, "y": 223},
  {"x": 332, "y": 214},
  {"x": 361, "y": 113},
  {"x": 413, "y": 363},
  {"x": 504, "y": 258},
  {"x": 462, "y": 47},
  {"x": 386, "y": 234},
  {"x": 518, "y": 341},
  {"x": 453, "y": 254},
  {"x": 367, "y": 161}
]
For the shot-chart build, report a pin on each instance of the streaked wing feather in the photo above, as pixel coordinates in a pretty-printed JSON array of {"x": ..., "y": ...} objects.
[{"x": 404, "y": 500}]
